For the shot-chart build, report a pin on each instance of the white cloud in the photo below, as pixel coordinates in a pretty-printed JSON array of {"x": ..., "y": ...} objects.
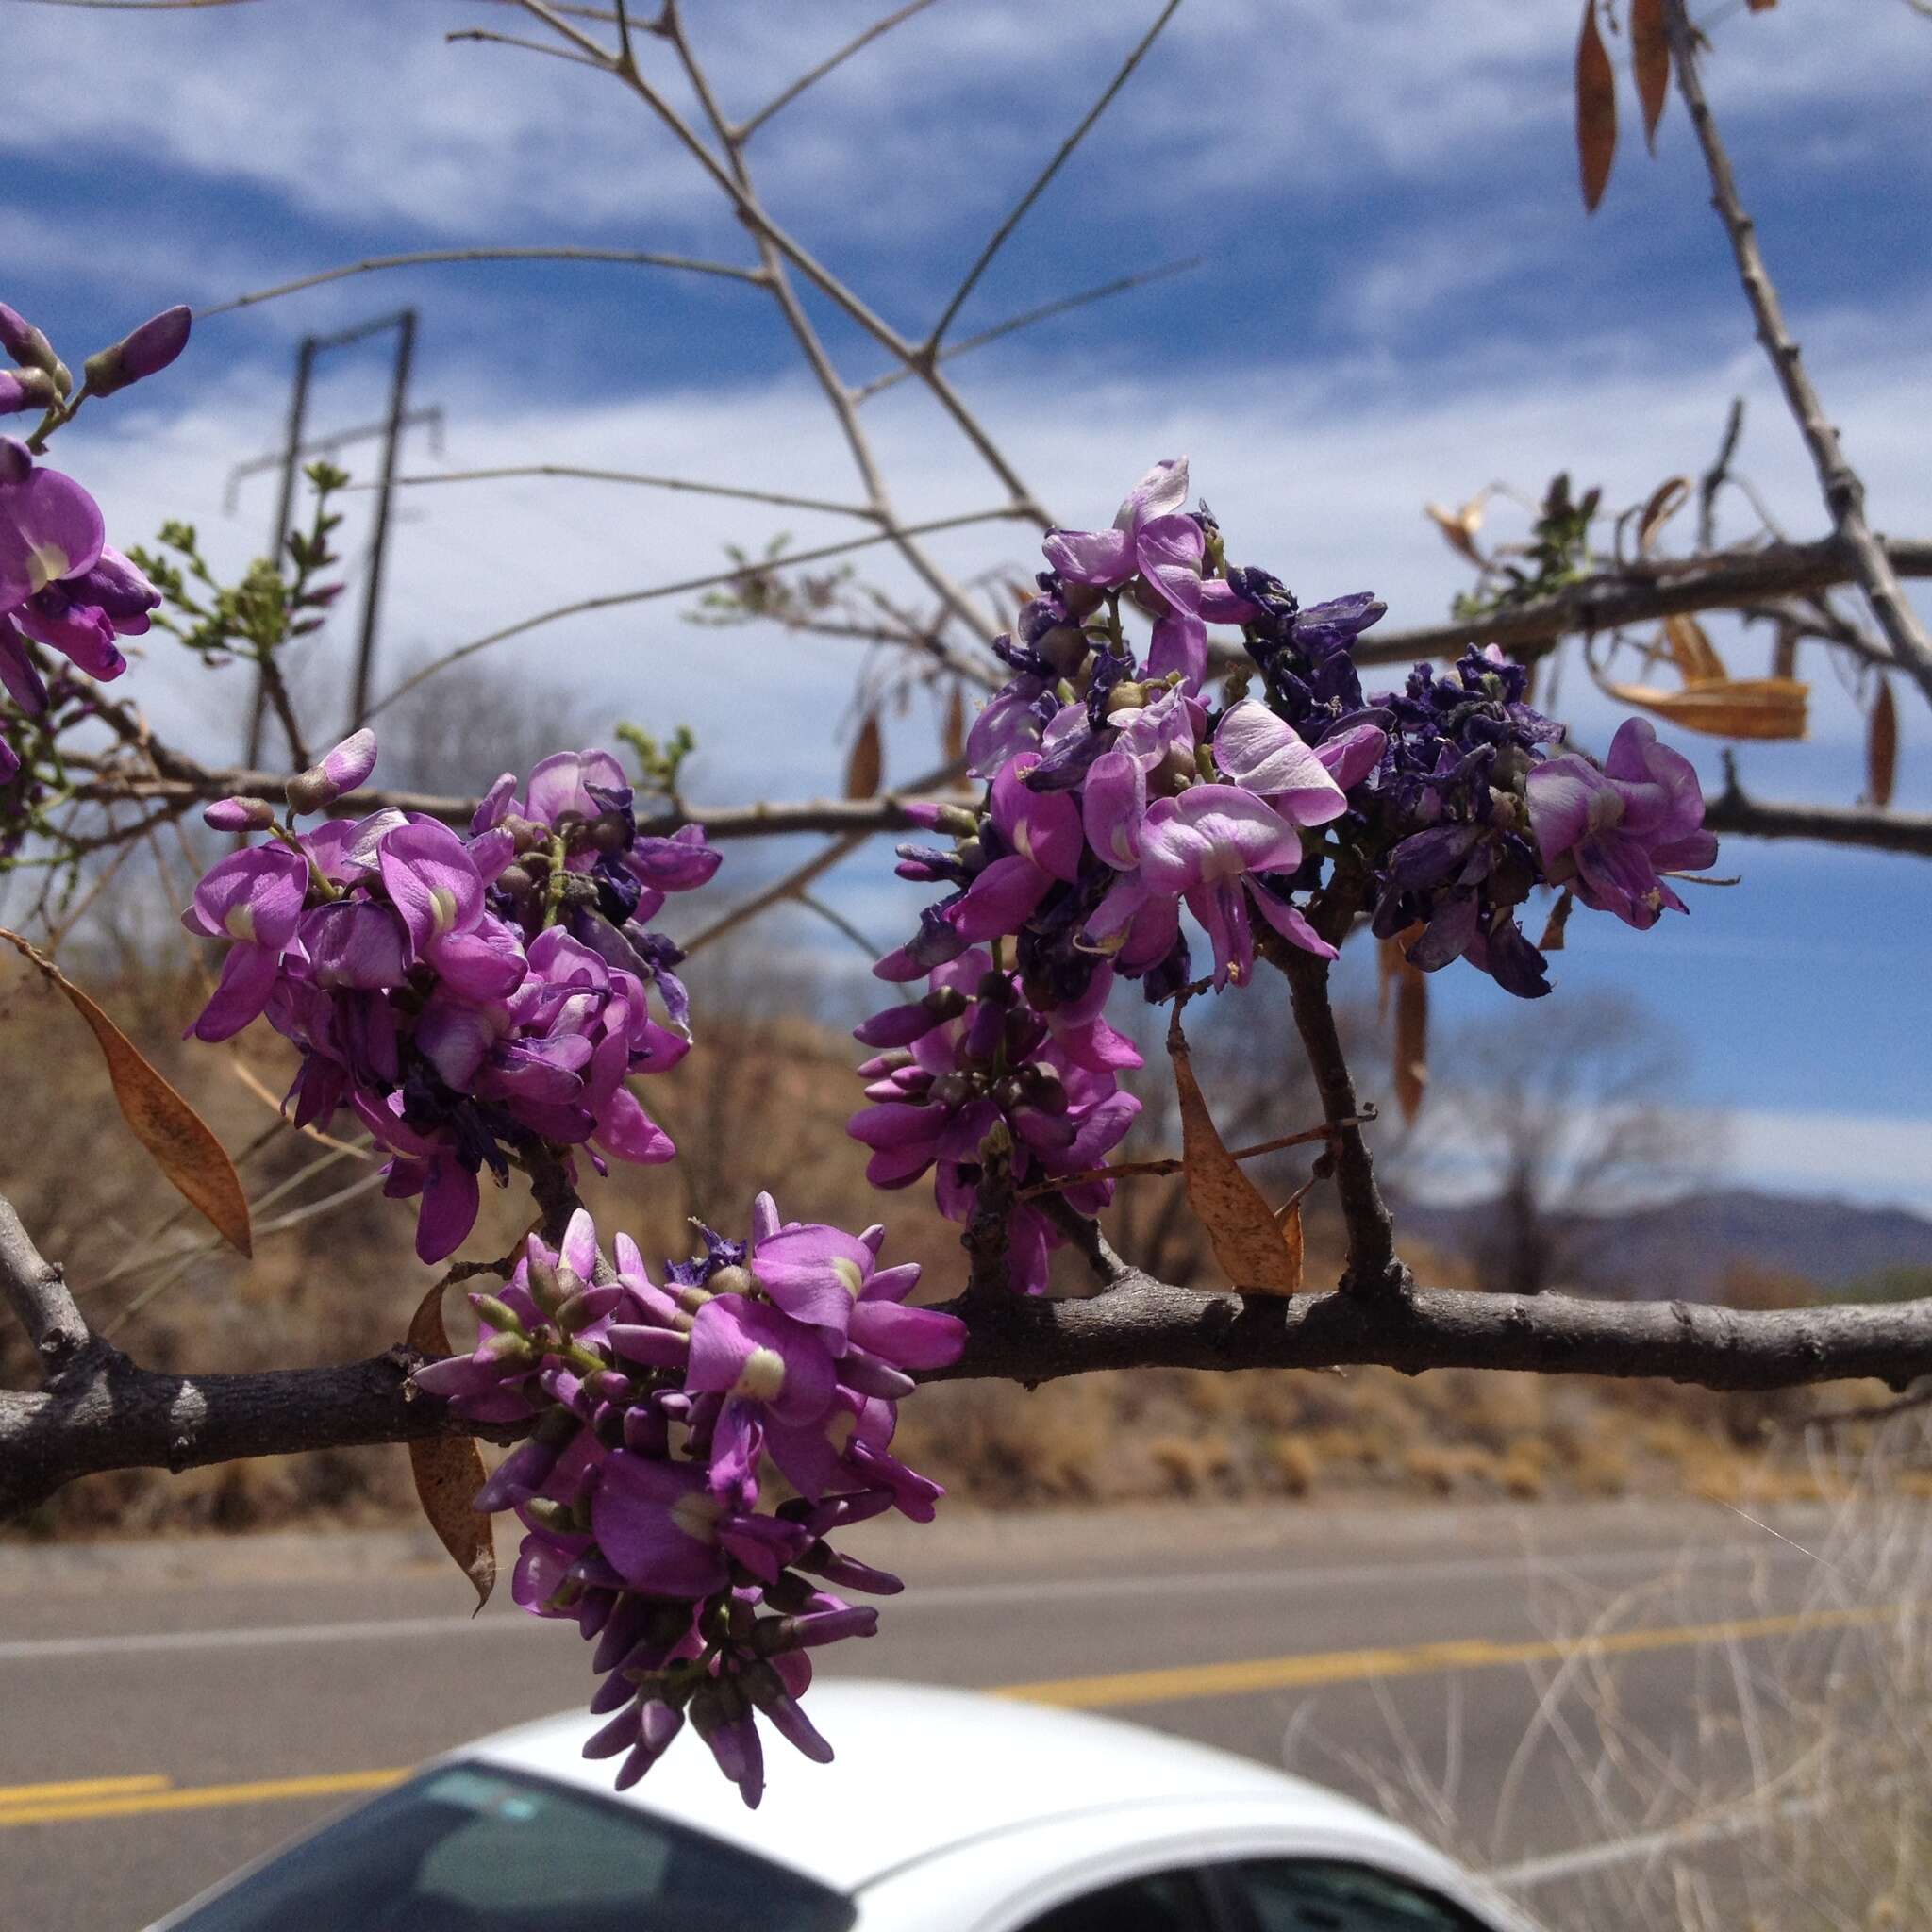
[
  {"x": 1321, "y": 474},
  {"x": 358, "y": 111}
]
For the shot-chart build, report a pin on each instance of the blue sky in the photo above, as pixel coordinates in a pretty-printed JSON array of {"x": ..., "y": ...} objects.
[{"x": 1401, "y": 300}]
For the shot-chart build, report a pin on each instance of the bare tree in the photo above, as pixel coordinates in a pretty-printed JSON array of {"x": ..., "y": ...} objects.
[{"x": 1565, "y": 1104}]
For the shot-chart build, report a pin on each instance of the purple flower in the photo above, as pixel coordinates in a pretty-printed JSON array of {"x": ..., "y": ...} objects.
[
  {"x": 1042, "y": 832},
  {"x": 1154, "y": 538},
  {"x": 341, "y": 770},
  {"x": 82, "y": 615},
  {"x": 977, "y": 1056},
  {"x": 1611, "y": 834},
  {"x": 25, "y": 389},
  {"x": 648, "y": 1411},
  {"x": 254, "y": 897},
  {"x": 434, "y": 883},
  {"x": 147, "y": 351},
  {"x": 50, "y": 527}
]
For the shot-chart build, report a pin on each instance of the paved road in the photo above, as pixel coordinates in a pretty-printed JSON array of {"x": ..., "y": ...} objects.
[{"x": 166, "y": 1713}]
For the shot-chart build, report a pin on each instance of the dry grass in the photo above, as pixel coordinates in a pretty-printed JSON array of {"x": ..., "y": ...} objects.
[{"x": 1798, "y": 1794}]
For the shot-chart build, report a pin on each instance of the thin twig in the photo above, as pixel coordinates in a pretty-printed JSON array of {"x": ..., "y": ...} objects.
[
  {"x": 630, "y": 258},
  {"x": 484, "y": 35},
  {"x": 1718, "y": 475},
  {"x": 746, "y": 128},
  {"x": 795, "y": 882},
  {"x": 1842, "y": 487},
  {"x": 1027, "y": 318},
  {"x": 1133, "y": 1169},
  {"x": 689, "y": 486},
  {"x": 929, "y": 349},
  {"x": 838, "y": 923},
  {"x": 731, "y": 178},
  {"x": 616, "y": 599}
]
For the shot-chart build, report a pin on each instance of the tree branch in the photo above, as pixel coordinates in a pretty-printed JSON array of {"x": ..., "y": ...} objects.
[
  {"x": 1374, "y": 1269},
  {"x": 1843, "y": 490},
  {"x": 1145, "y": 1324},
  {"x": 617, "y": 599},
  {"x": 37, "y": 1293},
  {"x": 746, "y": 128},
  {"x": 1046, "y": 311},
  {"x": 929, "y": 349},
  {"x": 1635, "y": 595},
  {"x": 125, "y": 1416},
  {"x": 1734, "y": 815},
  {"x": 684, "y": 484},
  {"x": 633, "y": 257}
]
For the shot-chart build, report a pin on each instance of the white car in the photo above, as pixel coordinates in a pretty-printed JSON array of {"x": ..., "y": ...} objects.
[{"x": 944, "y": 1813}]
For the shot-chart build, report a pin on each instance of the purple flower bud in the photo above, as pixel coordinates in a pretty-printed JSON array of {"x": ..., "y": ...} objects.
[
  {"x": 146, "y": 352},
  {"x": 341, "y": 770},
  {"x": 25, "y": 389},
  {"x": 239, "y": 814},
  {"x": 23, "y": 343}
]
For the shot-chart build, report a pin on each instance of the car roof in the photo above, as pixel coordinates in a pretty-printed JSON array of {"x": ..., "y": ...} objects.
[{"x": 922, "y": 1770}]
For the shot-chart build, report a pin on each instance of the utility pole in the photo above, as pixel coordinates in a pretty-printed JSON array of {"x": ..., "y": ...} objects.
[{"x": 289, "y": 459}]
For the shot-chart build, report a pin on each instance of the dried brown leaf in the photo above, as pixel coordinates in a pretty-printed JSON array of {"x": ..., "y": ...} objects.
[
  {"x": 1761, "y": 5},
  {"x": 867, "y": 764},
  {"x": 1554, "y": 927},
  {"x": 449, "y": 1470},
  {"x": 1881, "y": 747},
  {"x": 182, "y": 1144},
  {"x": 956, "y": 726},
  {"x": 1666, "y": 500},
  {"x": 1596, "y": 109},
  {"x": 1693, "y": 651},
  {"x": 1411, "y": 1041},
  {"x": 1458, "y": 527},
  {"x": 1728, "y": 708},
  {"x": 1260, "y": 1253},
  {"x": 1650, "y": 60}
]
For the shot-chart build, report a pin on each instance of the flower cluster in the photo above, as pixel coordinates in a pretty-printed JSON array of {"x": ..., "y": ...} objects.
[
  {"x": 61, "y": 583},
  {"x": 1120, "y": 796},
  {"x": 470, "y": 998},
  {"x": 653, "y": 1406},
  {"x": 973, "y": 1071}
]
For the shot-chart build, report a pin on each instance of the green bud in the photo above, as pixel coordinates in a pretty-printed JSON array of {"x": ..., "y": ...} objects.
[
  {"x": 547, "y": 1513},
  {"x": 546, "y": 1289},
  {"x": 1126, "y": 696},
  {"x": 576, "y": 1313},
  {"x": 498, "y": 1314},
  {"x": 733, "y": 1280}
]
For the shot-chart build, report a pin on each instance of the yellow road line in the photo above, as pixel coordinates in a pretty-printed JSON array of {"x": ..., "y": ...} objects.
[
  {"x": 1310, "y": 1668},
  {"x": 201, "y": 1797},
  {"x": 11, "y": 1796},
  {"x": 140, "y": 1796}
]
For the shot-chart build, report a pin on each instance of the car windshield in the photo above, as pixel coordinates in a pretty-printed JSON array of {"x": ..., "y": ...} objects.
[{"x": 472, "y": 1848}]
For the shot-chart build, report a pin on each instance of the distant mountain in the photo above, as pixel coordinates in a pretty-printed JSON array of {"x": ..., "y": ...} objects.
[{"x": 1682, "y": 1248}]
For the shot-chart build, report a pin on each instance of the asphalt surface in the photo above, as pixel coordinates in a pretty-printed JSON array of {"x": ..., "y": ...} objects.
[{"x": 168, "y": 1711}]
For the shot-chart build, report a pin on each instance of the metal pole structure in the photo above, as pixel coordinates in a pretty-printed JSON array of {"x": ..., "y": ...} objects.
[
  {"x": 285, "y": 508},
  {"x": 378, "y": 545},
  {"x": 289, "y": 457}
]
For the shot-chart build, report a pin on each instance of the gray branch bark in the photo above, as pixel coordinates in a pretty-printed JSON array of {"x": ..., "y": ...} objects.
[
  {"x": 1640, "y": 595},
  {"x": 118, "y": 1416}
]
